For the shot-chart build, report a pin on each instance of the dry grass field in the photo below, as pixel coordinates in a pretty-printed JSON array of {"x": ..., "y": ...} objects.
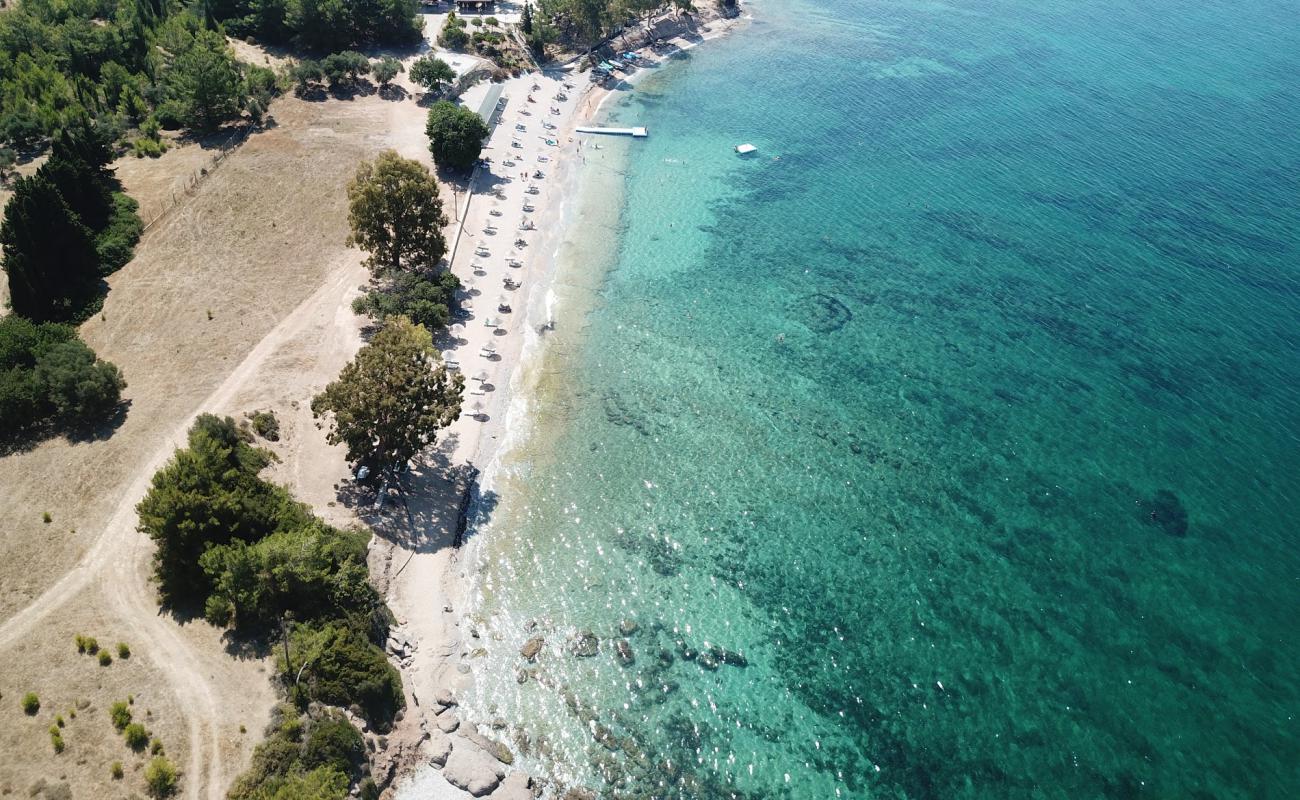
[{"x": 237, "y": 299}]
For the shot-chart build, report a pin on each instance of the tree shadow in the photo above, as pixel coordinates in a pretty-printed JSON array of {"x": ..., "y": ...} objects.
[
  {"x": 351, "y": 91},
  {"x": 435, "y": 505},
  {"x": 314, "y": 93},
  {"x": 26, "y": 439},
  {"x": 393, "y": 92},
  {"x": 220, "y": 138}
]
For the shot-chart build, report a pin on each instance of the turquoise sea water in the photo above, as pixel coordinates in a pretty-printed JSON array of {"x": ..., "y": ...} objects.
[{"x": 908, "y": 410}]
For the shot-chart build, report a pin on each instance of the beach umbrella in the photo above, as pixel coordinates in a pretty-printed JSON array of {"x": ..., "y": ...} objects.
[{"x": 481, "y": 375}]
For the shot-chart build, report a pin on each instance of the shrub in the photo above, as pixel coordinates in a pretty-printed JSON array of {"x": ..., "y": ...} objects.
[
  {"x": 333, "y": 742},
  {"x": 56, "y": 739},
  {"x": 344, "y": 69},
  {"x": 92, "y": 646},
  {"x": 31, "y": 704},
  {"x": 386, "y": 70},
  {"x": 105, "y": 658},
  {"x": 266, "y": 425},
  {"x": 58, "y": 721},
  {"x": 80, "y": 388},
  {"x": 81, "y": 643},
  {"x": 345, "y": 669},
  {"x": 426, "y": 300},
  {"x": 116, "y": 242},
  {"x": 136, "y": 737},
  {"x": 160, "y": 777},
  {"x": 116, "y": 770},
  {"x": 305, "y": 73},
  {"x": 155, "y": 747},
  {"x": 120, "y": 714},
  {"x": 123, "y": 651},
  {"x": 46, "y": 373},
  {"x": 453, "y": 38},
  {"x": 148, "y": 148}
]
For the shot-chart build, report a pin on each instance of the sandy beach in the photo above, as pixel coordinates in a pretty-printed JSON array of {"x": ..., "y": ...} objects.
[{"x": 512, "y": 226}]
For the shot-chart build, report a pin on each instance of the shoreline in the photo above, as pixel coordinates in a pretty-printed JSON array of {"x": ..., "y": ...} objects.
[{"x": 427, "y": 583}]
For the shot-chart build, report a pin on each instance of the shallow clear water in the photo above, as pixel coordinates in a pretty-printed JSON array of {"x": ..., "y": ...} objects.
[{"x": 903, "y": 410}]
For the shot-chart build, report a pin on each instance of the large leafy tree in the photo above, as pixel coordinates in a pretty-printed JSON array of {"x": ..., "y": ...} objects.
[
  {"x": 49, "y": 255},
  {"x": 396, "y": 214},
  {"x": 206, "y": 81},
  {"x": 455, "y": 135},
  {"x": 390, "y": 402}
]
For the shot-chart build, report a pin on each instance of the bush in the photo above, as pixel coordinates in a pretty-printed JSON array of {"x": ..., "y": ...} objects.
[
  {"x": 120, "y": 714},
  {"x": 334, "y": 742},
  {"x": 116, "y": 770},
  {"x": 266, "y": 425},
  {"x": 47, "y": 373},
  {"x": 155, "y": 747},
  {"x": 56, "y": 739},
  {"x": 161, "y": 777},
  {"x": 148, "y": 148},
  {"x": 426, "y": 300},
  {"x": 386, "y": 70},
  {"x": 453, "y": 38},
  {"x": 79, "y": 387},
  {"x": 345, "y": 669},
  {"x": 31, "y": 704},
  {"x": 123, "y": 651},
  {"x": 105, "y": 658},
  {"x": 305, "y": 73},
  {"x": 344, "y": 69},
  {"x": 136, "y": 737},
  {"x": 116, "y": 242}
]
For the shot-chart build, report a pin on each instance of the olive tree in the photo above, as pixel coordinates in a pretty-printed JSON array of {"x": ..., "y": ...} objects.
[{"x": 432, "y": 73}]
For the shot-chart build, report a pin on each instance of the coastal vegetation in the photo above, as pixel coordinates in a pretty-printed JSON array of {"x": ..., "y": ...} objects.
[
  {"x": 455, "y": 134},
  {"x": 390, "y": 401},
  {"x": 304, "y": 757},
  {"x": 50, "y": 379}
]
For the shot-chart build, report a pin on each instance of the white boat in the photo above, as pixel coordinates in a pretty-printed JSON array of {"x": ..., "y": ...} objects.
[{"x": 746, "y": 149}]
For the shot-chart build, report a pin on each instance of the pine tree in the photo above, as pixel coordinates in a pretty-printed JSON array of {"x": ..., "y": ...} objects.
[
  {"x": 49, "y": 254},
  {"x": 527, "y": 22}
]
